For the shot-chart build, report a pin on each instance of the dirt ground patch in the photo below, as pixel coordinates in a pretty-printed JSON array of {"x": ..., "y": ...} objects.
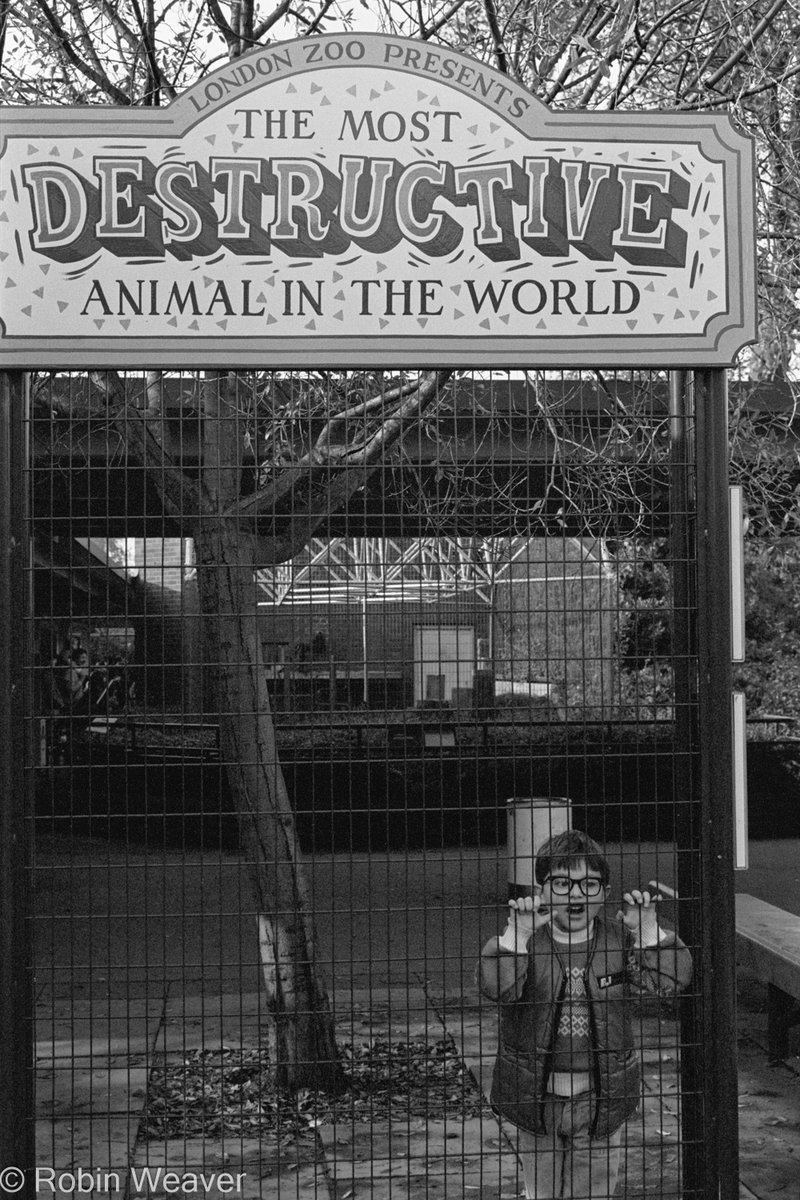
[
  {"x": 228, "y": 1091},
  {"x": 769, "y": 1104}
]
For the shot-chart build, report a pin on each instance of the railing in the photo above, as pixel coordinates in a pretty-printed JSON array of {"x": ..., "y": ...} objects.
[{"x": 423, "y": 728}]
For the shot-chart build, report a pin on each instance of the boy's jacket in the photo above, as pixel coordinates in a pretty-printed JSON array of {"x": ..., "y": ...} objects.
[{"x": 530, "y": 989}]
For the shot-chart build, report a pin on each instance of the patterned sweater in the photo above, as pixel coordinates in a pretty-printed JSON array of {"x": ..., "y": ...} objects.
[{"x": 571, "y": 1064}]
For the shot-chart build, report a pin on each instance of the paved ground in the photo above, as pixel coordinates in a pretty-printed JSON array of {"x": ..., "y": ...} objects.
[
  {"x": 92, "y": 1098},
  {"x": 153, "y": 955},
  {"x": 419, "y": 1156},
  {"x": 148, "y": 918}
]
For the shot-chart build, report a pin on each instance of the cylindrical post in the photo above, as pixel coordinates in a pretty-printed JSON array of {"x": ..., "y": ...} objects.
[
  {"x": 17, "y": 1128},
  {"x": 531, "y": 821}
]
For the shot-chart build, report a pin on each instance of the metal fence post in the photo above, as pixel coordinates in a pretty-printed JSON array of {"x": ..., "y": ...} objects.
[
  {"x": 684, "y": 631},
  {"x": 717, "y": 967},
  {"x": 17, "y": 1101}
]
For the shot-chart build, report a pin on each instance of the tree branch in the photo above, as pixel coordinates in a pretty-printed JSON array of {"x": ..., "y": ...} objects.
[
  {"x": 429, "y": 389},
  {"x": 4, "y": 11},
  {"x": 304, "y": 523},
  {"x": 761, "y": 27},
  {"x": 324, "y": 7},
  {"x": 113, "y": 17},
  {"x": 311, "y": 465},
  {"x": 156, "y": 76},
  {"x": 266, "y": 24},
  {"x": 217, "y": 16},
  {"x": 724, "y": 98},
  {"x": 497, "y": 38},
  {"x": 446, "y": 16},
  {"x": 547, "y": 64},
  {"x": 187, "y": 47},
  {"x": 65, "y": 47},
  {"x": 572, "y": 63},
  {"x": 355, "y": 412},
  {"x": 83, "y": 39},
  {"x": 685, "y": 65},
  {"x": 177, "y": 491}
]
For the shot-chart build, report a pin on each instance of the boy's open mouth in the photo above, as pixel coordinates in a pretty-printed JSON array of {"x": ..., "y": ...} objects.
[{"x": 576, "y": 910}]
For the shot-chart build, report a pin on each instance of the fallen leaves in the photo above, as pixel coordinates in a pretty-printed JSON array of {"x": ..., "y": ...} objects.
[{"x": 229, "y": 1091}]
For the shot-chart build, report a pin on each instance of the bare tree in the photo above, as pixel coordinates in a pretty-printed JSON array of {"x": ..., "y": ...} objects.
[{"x": 237, "y": 532}]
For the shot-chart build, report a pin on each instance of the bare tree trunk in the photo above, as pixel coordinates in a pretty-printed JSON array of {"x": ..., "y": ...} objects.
[
  {"x": 302, "y": 1043},
  {"x": 228, "y": 552}
]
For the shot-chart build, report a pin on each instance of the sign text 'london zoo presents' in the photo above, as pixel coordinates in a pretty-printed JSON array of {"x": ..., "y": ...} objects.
[{"x": 369, "y": 200}]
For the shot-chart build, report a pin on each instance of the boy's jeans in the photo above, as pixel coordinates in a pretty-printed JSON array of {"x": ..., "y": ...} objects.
[{"x": 564, "y": 1164}]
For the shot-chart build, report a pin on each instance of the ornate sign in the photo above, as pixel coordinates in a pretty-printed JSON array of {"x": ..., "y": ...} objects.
[{"x": 372, "y": 201}]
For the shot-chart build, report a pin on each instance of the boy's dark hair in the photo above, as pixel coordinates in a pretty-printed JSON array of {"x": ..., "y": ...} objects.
[{"x": 563, "y": 850}]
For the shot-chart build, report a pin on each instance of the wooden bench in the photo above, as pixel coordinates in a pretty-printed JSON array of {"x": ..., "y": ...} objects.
[{"x": 768, "y": 946}]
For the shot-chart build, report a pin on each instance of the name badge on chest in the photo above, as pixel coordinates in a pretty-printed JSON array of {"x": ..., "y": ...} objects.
[{"x": 607, "y": 981}]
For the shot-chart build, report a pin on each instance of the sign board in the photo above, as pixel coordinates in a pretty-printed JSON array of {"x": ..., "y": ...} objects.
[{"x": 367, "y": 200}]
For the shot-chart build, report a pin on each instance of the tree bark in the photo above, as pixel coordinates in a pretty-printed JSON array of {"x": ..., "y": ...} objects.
[{"x": 301, "y": 1036}]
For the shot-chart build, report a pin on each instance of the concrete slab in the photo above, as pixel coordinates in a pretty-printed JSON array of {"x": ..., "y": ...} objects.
[
  {"x": 200, "y": 1022},
  {"x": 476, "y": 1039},
  {"x": 90, "y": 1091},
  {"x": 215, "y": 1004},
  {"x": 63, "y": 1185},
  {"x": 197, "y": 1022},
  {"x": 100, "y": 1030},
  {"x": 77, "y": 1091},
  {"x": 455, "y": 1158},
  {"x": 100, "y": 1146},
  {"x": 86, "y": 1054},
  {"x": 177, "y": 1036},
  {"x": 233, "y": 1169},
  {"x": 307, "y": 1183}
]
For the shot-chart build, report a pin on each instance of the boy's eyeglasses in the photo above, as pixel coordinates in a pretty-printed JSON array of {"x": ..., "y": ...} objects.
[{"x": 562, "y": 885}]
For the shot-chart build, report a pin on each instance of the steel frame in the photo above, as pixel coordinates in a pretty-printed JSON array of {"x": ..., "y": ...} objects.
[
  {"x": 352, "y": 570},
  {"x": 711, "y": 1171}
]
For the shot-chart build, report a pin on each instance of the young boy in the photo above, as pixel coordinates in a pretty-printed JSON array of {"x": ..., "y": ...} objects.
[{"x": 567, "y": 1073}]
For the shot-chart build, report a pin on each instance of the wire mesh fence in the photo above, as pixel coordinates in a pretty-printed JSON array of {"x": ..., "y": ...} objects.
[{"x": 296, "y": 641}]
